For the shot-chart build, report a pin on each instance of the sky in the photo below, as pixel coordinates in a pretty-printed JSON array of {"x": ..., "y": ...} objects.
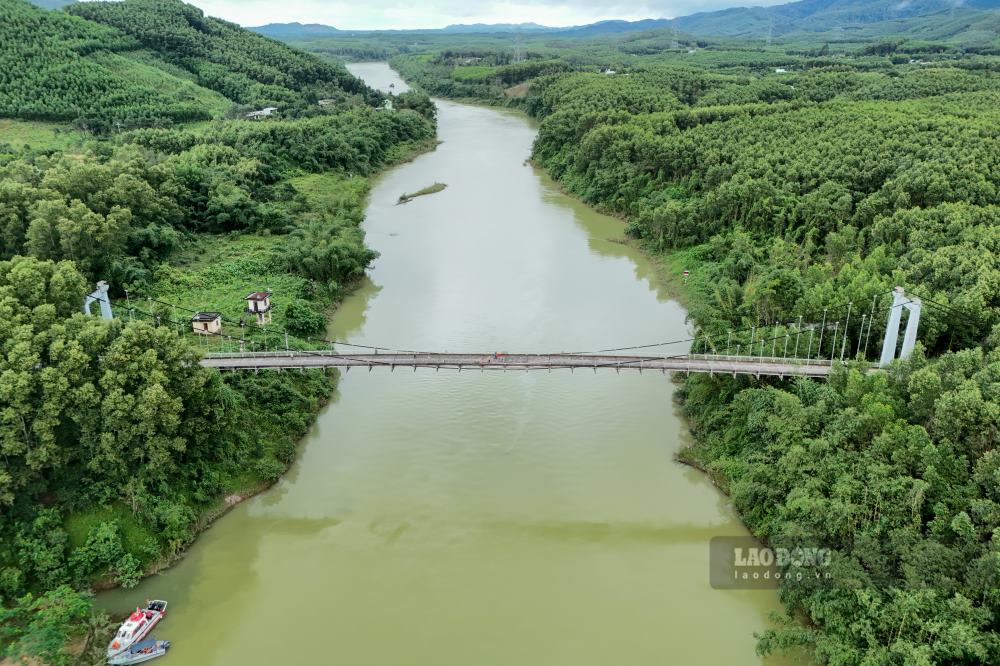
[{"x": 402, "y": 14}]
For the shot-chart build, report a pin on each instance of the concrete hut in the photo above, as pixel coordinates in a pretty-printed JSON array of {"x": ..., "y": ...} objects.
[
  {"x": 259, "y": 305},
  {"x": 207, "y": 323}
]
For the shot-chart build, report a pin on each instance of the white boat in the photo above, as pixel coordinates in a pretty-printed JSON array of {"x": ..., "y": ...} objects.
[
  {"x": 140, "y": 652},
  {"x": 136, "y": 627}
]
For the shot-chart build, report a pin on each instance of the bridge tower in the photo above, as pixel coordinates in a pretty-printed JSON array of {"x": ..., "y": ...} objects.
[
  {"x": 899, "y": 301},
  {"x": 101, "y": 296}
]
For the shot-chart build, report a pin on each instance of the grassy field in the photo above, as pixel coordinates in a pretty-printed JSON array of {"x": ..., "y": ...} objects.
[
  {"x": 215, "y": 273},
  {"x": 471, "y": 72},
  {"x": 135, "y": 538},
  {"x": 333, "y": 190},
  {"x": 19, "y": 134}
]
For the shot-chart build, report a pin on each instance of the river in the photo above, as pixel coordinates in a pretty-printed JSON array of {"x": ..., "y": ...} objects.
[{"x": 477, "y": 519}]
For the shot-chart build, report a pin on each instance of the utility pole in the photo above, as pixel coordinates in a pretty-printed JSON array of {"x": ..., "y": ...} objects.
[
  {"x": 871, "y": 319},
  {"x": 843, "y": 343},
  {"x": 819, "y": 349},
  {"x": 861, "y": 333},
  {"x": 798, "y": 333}
]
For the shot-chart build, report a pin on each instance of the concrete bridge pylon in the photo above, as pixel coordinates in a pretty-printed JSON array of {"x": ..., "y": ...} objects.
[{"x": 899, "y": 301}]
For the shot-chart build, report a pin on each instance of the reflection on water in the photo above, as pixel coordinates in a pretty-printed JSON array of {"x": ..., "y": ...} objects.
[
  {"x": 349, "y": 318},
  {"x": 452, "y": 519}
]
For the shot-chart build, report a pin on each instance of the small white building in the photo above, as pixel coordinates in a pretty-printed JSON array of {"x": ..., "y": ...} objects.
[
  {"x": 610, "y": 72},
  {"x": 327, "y": 102},
  {"x": 266, "y": 112},
  {"x": 387, "y": 105},
  {"x": 780, "y": 70},
  {"x": 207, "y": 323},
  {"x": 259, "y": 304}
]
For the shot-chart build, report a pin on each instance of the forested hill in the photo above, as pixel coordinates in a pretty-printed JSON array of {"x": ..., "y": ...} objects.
[
  {"x": 149, "y": 62},
  {"x": 295, "y": 30},
  {"x": 59, "y": 67},
  {"x": 245, "y": 67},
  {"x": 819, "y": 16}
]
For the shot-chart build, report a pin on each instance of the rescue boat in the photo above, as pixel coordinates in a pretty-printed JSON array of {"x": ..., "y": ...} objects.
[{"x": 137, "y": 626}]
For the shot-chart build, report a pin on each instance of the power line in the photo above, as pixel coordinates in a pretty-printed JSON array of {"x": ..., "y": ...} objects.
[
  {"x": 297, "y": 337},
  {"x": 696, "y": 338}
]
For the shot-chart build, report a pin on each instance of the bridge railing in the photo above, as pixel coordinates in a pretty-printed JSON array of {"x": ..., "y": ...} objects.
[
  {"x": 774, "y": 360},
  {"x": 274, "y": 354},
  {"x": 743, "y": 358},
  {"x": 732, "y": 358}
]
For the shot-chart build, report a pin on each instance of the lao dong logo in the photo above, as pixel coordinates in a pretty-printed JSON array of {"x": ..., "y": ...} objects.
[{"x": 742, "y": 563}]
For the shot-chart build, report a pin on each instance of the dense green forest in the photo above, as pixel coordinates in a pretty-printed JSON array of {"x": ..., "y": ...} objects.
[
  {"x": 119, "y": 65},
  {"x": 117, "y": 447},
  {"x": 245, "y": 67},
  {"x": 787, "y": 179},
  {"x": 48, "y": 72}
]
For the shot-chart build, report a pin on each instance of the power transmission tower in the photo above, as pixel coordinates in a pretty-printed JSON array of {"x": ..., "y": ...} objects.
[{"x": 520, "y": 53}]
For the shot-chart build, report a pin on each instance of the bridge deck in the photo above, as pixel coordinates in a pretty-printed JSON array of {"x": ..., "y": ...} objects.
[{"x": 729, "y": 365}]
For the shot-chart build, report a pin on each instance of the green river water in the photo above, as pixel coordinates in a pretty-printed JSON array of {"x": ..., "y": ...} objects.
[{"x": 477, "y": 519}]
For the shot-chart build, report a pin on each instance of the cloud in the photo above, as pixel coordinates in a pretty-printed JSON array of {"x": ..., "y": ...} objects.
[{"x": 395, "y": 14}]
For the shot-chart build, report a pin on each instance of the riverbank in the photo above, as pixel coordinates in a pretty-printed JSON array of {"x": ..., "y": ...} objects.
[{"x": 213, "y": 274}]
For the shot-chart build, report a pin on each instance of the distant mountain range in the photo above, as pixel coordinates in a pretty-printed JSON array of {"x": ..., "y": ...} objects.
[
  {"x": 804, "y": 16},
  {"x": 292, "y": 31},
  {"x": 819, "y": 16},
  {"x": 496, "y": 27},
  {"x": 296, "y": 30}
]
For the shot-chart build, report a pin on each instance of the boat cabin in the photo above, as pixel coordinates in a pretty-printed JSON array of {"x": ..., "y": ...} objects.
[
  {"x": 207, "y": 323},
  {"x": 134, "y": 625}
]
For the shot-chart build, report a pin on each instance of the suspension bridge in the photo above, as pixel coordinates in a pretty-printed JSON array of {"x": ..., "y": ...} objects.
[
  {"x": 700, "y": 363},
  {"x": 790, "y": 349}
]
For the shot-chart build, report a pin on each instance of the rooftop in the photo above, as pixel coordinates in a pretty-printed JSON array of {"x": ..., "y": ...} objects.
[{"x": 206, "y": 316}]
